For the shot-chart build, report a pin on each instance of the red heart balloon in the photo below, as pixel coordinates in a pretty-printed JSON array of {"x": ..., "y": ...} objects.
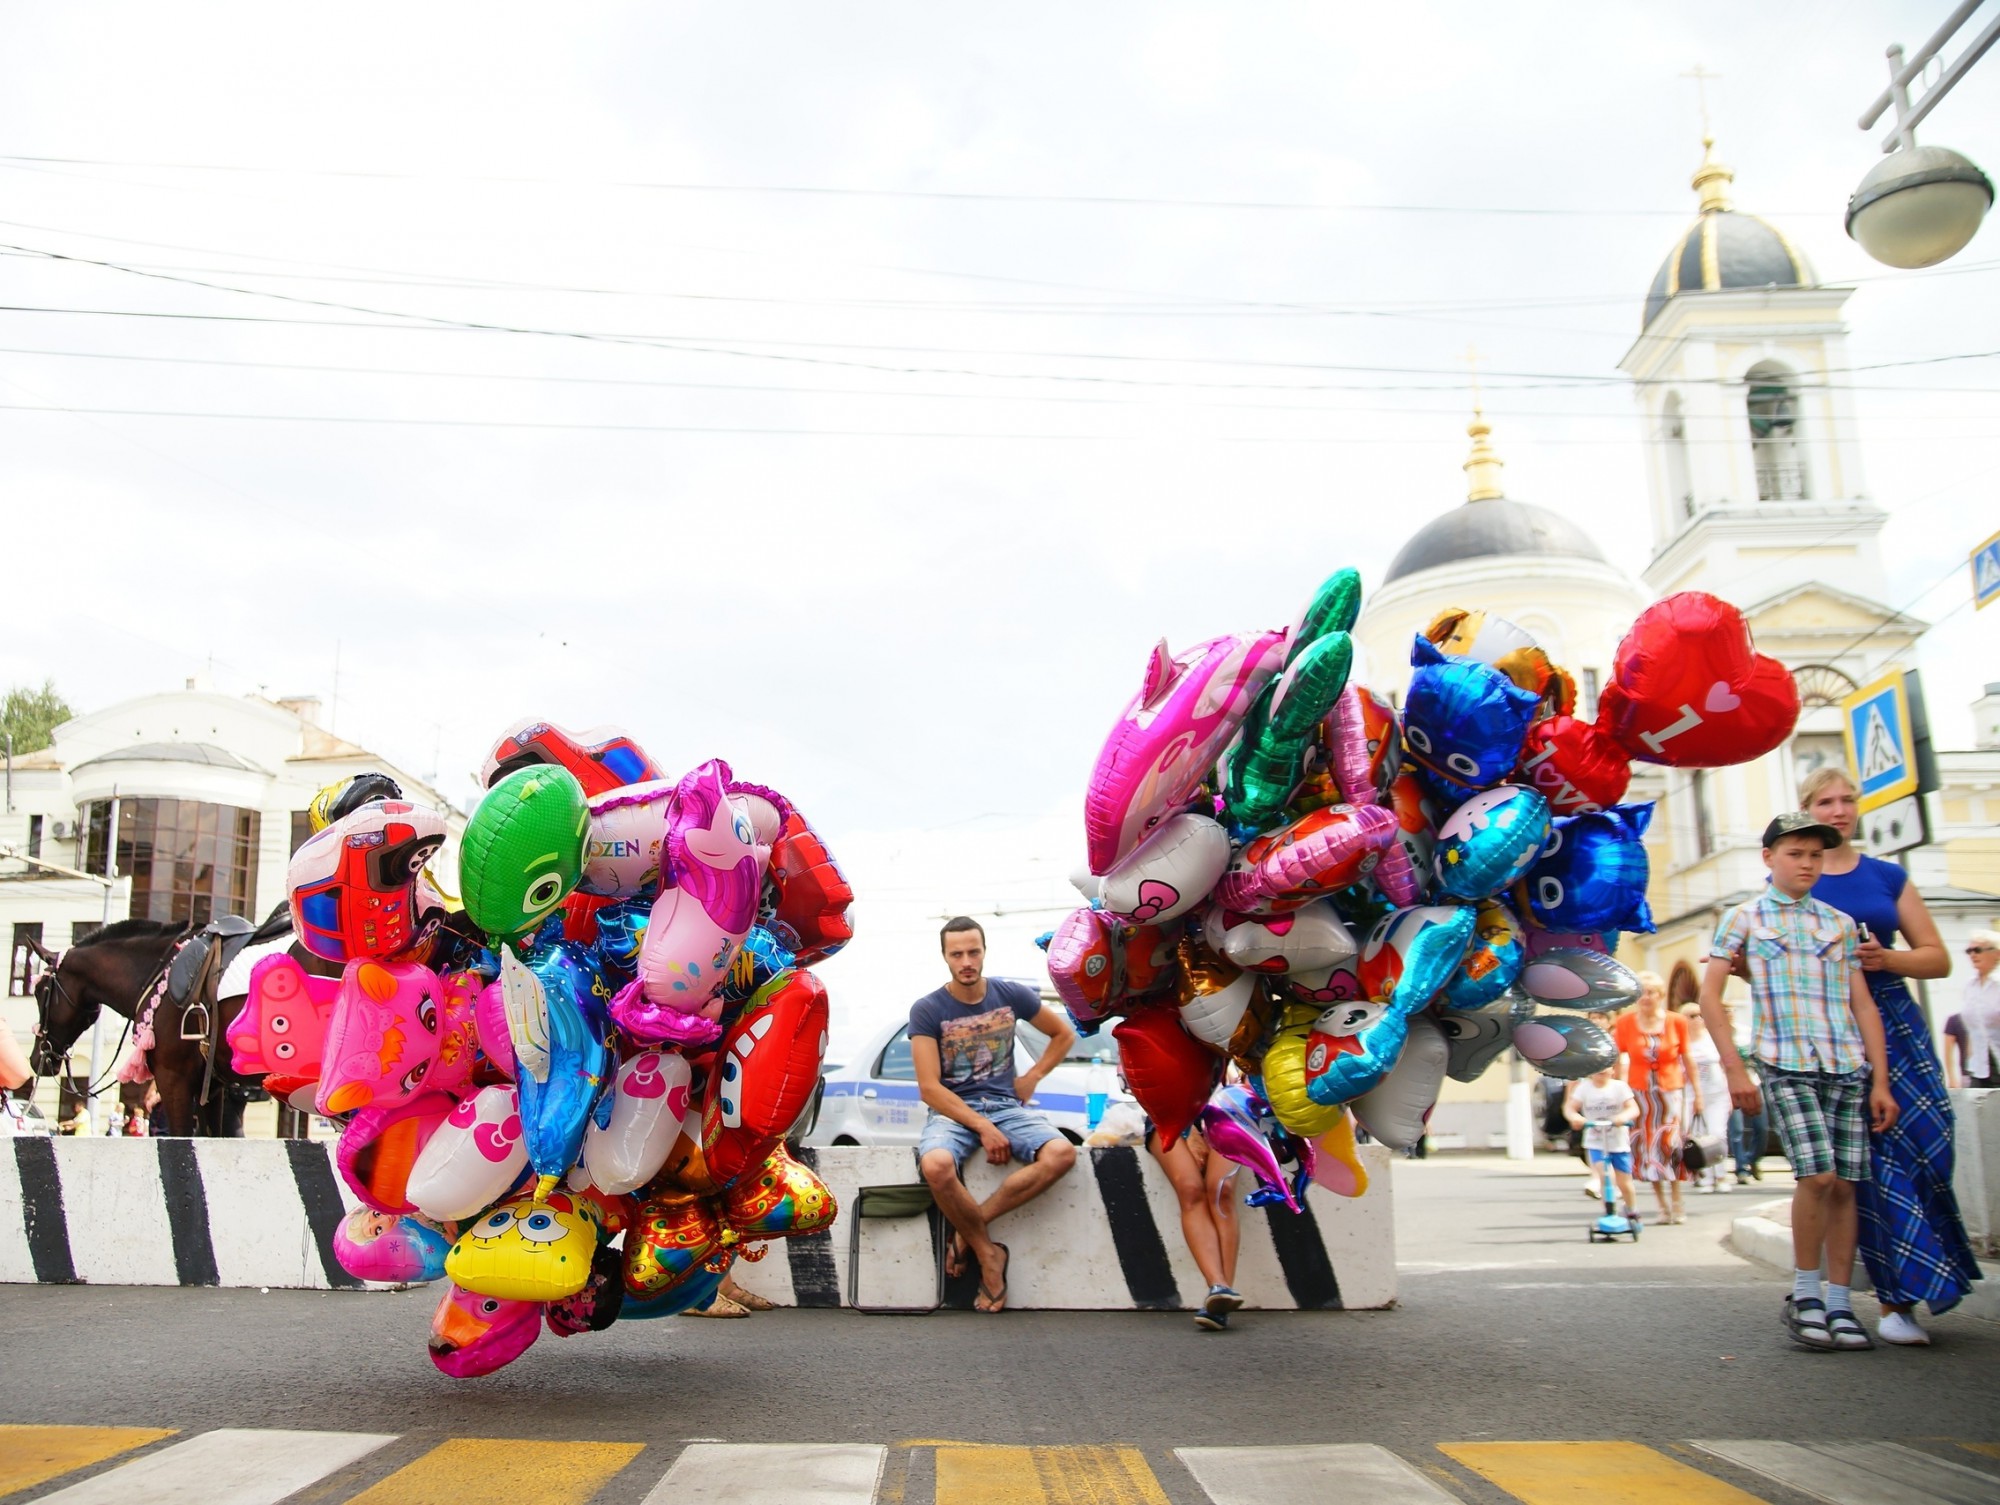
[
  {"x": 1575, "y": 767},
  {"x": 1166, "y": 1068},
  {"x": 1689, "y": 689}
]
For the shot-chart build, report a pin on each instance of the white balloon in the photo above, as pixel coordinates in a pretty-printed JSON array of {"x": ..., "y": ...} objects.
[
  {"x": 1308, "y": 940},
  {"x": 1397, "y": 1108},
  {"x": 1214, "y": 1016},
  {"x": 1169, "y": 872},
  {"x": 628, "y": 834},
  {"x": 647, "y": 1105},
  {"x": 474, "y": 1158}
]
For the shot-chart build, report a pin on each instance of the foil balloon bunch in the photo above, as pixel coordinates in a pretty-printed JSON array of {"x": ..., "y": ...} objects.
[
  {"x": 569, "y": 1098},
  {"x": 1351, "y": 901}
]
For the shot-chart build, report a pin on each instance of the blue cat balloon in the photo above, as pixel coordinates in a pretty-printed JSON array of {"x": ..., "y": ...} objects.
[
  {"x": 1463, "y": 721},
  {"x": 1592, "y": 872},
  {"x": 1487, "y": 842}
]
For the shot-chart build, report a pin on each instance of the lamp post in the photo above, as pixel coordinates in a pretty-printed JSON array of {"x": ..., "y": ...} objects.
[{"x": 1921, "y": 204}]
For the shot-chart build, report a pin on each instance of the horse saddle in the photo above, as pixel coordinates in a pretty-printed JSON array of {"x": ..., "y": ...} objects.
[{"x": 202, "y": 958}]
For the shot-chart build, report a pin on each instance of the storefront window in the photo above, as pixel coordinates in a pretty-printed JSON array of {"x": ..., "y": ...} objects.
[{"x": 187, "y": 860}]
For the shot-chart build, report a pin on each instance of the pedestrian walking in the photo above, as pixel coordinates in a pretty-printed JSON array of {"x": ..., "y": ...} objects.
[
  {"x": 1912, "y": 1238},
  {"x": 1816, "y": 1032},
  {"x": 1979, "y": 1012},
  {"x": 1653, "y": 1040},
  {"x": 1711, "y": 1088},
  {"x": 1204, "y": 1184}
]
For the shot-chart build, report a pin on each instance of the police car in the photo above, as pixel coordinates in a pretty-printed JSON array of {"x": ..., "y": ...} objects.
[{"x": 873, "y": 1098}]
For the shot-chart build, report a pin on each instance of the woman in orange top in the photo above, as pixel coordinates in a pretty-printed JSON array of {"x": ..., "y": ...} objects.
[{"x": 1654, "y": 1043}]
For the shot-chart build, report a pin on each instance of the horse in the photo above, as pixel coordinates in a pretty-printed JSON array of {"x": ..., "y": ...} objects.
[{"x": 120, "y": 967}]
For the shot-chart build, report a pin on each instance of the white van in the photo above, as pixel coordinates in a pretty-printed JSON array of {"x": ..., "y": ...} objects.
[{"x": 873, "y": 1099}]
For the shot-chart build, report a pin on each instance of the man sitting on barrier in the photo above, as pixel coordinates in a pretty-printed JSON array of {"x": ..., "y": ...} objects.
[{"x": 962, "y": 1044}]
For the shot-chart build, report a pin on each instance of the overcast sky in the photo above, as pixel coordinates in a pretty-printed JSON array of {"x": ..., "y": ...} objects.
[{"x": 870, "y": 385}]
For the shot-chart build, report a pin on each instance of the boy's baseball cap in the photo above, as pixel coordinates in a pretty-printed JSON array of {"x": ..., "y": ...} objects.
[{"x": 1799, "y": 823}]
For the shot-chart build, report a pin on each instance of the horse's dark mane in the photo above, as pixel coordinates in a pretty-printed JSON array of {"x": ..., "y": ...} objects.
[{"x": 131, "y": 930}]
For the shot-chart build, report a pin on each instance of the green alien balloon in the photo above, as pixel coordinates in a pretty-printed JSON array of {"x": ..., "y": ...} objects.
[{"x": 522, "y": 852}]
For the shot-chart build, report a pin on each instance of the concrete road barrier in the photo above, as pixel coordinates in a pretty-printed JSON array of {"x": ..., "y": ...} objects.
[{"x": 262, "y": 1213}]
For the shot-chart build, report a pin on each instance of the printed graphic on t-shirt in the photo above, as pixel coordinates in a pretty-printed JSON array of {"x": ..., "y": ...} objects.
[{"x": 976, "y": 1046}]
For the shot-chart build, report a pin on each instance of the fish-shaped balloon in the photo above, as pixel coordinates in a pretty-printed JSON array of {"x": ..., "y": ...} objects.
[
  {"x": 1239, "y": 1125},
  {"x": 1565, "y": 1047},
  {"x": 1569, "y": 977},
  {"x": 560, "y": 1064},
  {"x": 473, "y": 1335}
]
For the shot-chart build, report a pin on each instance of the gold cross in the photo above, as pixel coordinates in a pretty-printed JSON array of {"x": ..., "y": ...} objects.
[{"x": 1702, "y": 77}]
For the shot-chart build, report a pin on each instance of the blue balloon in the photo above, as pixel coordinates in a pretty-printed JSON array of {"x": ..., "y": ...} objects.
[
  {"x": 697, "y": 1290},
  {"x": 1353, "y": 1046},
  {"x": 1592, "y": 873},
  {"x": 1463, "y": 722},
  {"x": 1411, "y": 953},
  {"x": 762, "y": 957},
  {"x": 579, "y": 969},
  {"x": 1487, "y": 842},
  {"x": 1492, "y": 962},
  {"x": 621, "y": 927},
  {"x": 561, "y": 1060}
]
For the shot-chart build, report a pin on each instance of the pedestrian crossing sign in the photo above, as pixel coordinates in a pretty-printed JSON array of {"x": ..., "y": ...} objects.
[
  {"x": 1986, "y": 572},
  {"x": 1881, "y": 743}
]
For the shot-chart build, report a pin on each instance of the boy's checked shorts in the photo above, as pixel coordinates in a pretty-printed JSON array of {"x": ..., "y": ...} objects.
[{"x": 1822, "y": 1120}]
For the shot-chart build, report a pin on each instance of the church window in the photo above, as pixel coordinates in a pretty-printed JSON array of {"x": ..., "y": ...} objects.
[
  {"x": 1673, "y": 441},
  {"x": 1702, "y": 797},
  {"x": 1587, "y": 693},
  {"x": 1773, "y": 406}
]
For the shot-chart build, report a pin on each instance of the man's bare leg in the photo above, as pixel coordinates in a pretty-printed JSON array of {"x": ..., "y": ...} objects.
[
  {"x": 954, "y": 1201},
  {"x": 1051, "y": 1163}
]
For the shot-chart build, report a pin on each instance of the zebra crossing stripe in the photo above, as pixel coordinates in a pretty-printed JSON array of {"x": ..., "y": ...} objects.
[
  {"x": 1310, "y": 1474},
  {"x": 1046, "y": 1476},
  {"x": 232, "y": 1466},
  {"x": 503, "y": 1471},
  {"x": 1861, "y": 1473},
  {"x": 1562, "y": 1473},
  {"x": 716, "y": 1473},
  {"x": 35, "y": 1455}
]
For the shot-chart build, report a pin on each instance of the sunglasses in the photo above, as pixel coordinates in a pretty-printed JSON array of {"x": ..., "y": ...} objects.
[{"x": 1977, "y": 950}]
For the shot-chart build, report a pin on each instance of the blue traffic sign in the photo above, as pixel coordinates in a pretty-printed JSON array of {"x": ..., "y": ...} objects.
[
  {"x": 1986, "y": 572},
  {"x": 1881, "y": 745}
]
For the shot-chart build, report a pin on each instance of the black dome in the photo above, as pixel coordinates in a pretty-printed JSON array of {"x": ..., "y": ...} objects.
[
  {"x": 1477, "y": 530},
  {"x": 1724, "y": 249}
]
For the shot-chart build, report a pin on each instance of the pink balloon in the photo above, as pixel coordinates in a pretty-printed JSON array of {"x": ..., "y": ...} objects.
[
  {"x": 473, "y": 1335},
  {"x": 1323, "y": 850},
  {"x": 1168, "y": 738}
]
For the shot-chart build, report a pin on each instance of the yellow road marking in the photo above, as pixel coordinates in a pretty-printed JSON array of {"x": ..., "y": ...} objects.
[
  {"x": 1593, "y": 1473},
  {"x": 1045, "y": 1476},
  {"x": 1990, "y": 1449},
  {"x": 497, "y": 1471},
  {"x": 34, "y": 1455}
]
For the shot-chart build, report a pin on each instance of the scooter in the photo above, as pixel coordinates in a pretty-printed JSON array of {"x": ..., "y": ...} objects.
[{"x": 1614, "y": 1225}]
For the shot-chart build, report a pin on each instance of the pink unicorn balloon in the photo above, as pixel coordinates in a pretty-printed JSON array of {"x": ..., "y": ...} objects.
[
  {"x": 715, "y": 866},
  {"x": 1169, "y": 737},
  {"x": 397, "y": 1030}
]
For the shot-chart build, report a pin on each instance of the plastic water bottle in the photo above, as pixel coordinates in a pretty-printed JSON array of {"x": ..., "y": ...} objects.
[{"x": 1097, "y": 1089}]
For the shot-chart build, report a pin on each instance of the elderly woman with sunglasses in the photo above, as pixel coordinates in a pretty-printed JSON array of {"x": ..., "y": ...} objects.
[{"x": 1912, "y": 1239}]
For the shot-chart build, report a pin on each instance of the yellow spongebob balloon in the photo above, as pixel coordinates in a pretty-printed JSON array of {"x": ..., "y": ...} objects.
[
  {"x": 524, "y": 1250},
  {"x": 1284, "y": 1072}
]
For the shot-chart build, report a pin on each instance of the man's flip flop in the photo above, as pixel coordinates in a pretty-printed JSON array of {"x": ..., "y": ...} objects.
[{"x": 996, "y": 1301}]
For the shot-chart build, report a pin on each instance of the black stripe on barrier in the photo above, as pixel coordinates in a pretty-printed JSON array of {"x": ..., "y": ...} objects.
[
  {"x": 1302, "y": 1256},
  {"x": 319, "y": 1194},
  {"x": 43, "y": 1216},
  {"x": 815, "y": 1279},
  {"x": 187, "y": 1213},
  {"x": 1142, "y": 1253}
]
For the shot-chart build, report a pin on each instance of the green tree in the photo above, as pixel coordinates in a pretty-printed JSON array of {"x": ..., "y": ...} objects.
[{"x": 30, "y": 716}]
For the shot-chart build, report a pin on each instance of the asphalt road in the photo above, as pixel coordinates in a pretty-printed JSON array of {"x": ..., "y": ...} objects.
[{"x": 1511, "y": 1326}]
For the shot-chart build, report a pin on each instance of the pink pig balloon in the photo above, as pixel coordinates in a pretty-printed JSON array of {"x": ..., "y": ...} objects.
[
  {"x": 472, "y": 1159},
  {"x": 649, "y": 1100},
  {"x": 1168, "y": 738}
]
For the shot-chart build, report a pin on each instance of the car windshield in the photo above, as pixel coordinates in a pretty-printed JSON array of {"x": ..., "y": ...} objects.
[{"x": 1103, "y": 1043}]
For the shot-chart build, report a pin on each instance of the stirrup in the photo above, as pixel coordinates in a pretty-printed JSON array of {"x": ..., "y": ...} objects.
[{"x": 188, "y": 1029}]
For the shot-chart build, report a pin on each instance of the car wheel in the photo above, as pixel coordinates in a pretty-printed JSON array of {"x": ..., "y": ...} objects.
[{"x": 1073, "y": 1137}]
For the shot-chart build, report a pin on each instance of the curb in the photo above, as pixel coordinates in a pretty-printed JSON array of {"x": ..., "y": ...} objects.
[{"x": 1763, "y": 1240}]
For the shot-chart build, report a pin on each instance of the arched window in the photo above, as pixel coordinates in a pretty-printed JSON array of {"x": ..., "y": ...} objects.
[
  {"x": 1673, "y": 442},
  {"x": 1773, "y": 405}
]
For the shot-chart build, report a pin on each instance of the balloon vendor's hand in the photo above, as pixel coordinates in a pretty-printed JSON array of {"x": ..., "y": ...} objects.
[{"x": 998, "y": 1151}]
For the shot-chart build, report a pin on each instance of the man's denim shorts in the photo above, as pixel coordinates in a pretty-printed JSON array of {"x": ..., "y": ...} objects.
[{"x": 1026, "y": 1130}]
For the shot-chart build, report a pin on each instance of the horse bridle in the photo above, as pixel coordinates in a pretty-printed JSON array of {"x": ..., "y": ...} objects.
[{"x": 53, "y": 980}]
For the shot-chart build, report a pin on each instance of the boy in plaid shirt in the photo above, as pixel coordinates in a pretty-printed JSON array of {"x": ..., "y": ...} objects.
[{"x": 1820, "y": 1047}]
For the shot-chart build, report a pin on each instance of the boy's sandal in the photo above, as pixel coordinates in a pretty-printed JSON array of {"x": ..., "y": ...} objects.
[
  {"x": 1847, "y": 1331},
  {"x": 1806, "y": 1322}
]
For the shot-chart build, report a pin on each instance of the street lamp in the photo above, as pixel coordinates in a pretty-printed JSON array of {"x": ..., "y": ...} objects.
[{"x": 1922, "y": 204}]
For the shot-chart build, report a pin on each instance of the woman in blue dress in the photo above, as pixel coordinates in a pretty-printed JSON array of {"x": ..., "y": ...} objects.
[{"x": 1912, "y": 1239}]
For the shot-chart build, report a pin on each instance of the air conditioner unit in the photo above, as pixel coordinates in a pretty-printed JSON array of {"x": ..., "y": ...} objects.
[{"x": 62, "y": 830}]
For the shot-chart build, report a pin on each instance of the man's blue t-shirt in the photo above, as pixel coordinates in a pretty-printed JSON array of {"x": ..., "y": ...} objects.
[{"x": 976, "y": 1040}]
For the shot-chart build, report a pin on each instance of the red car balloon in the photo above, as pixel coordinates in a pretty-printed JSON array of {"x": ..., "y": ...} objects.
[
  {"x": 1689, "y": 689},
  {"x": 766, "y": 1067},
  {"x": 603, "y": 758},
  {"x": 1169, "y": 1071},
  {"x": 810, "y": 913},
  {"x": 1573, "y": 765}
]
